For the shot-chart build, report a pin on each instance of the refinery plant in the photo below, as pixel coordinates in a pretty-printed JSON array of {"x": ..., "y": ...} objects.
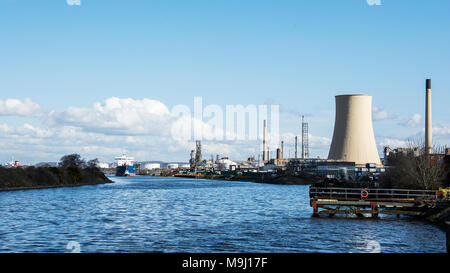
[{"x": 353, "y": 153}]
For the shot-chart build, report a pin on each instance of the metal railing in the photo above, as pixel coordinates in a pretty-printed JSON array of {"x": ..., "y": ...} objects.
[{"x": 371, "y": 194}]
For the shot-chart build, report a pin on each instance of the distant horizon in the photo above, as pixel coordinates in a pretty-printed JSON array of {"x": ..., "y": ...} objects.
[{"x": 97, "y": 80}]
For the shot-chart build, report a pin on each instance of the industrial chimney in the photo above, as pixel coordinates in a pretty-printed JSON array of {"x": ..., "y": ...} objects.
[
  {"x": 428, "y": 125},
  {"x": 353, "y": 137}
]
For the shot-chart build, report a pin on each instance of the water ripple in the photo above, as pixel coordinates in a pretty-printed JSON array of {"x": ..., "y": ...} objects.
[{"x": 155, "y": 214}]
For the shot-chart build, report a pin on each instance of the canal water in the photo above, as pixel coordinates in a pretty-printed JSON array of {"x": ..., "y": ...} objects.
[{"x": 155, "y": 214}]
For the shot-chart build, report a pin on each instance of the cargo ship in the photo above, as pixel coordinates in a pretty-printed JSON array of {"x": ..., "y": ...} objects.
[{"x": 125, "y": 166}]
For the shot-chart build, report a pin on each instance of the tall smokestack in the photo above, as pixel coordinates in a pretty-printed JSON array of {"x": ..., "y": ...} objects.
[
  {"x": 428, "y": 125},
  {"x": 282, "y": 149},
  {"x": 296, "y": 147},
  {"x": 264, "y": 142}
]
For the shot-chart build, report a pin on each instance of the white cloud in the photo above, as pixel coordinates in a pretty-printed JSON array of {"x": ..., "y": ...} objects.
[
  {"x": 392, "y": 142},
  {"x": 117, "y": 116},
  {"x": 441, "y": 131},
  {"x": 15, "y": 107},
  {"x": 26, "y": 130},
  {"x": 314, "y": 141},
  {"x": 142, "y": 128},
  {"x": 380, "y": 114},
  {"x": 412, "y": 122}
]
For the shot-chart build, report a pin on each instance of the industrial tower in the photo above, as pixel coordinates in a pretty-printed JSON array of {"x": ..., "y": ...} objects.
[
  {"x": 353, "y": 137},
  {"x": 428, "y": 126},
  {"x": 198, "y": 153},
  {"x": 305, "y": 142}
]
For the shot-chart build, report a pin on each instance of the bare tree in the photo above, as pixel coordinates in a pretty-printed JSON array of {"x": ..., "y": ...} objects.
[
  {"x": 415, "y": 169},
  {"x": 430, "y": 171}
]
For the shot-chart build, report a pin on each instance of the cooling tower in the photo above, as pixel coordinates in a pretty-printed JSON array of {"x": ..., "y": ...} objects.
[{"x": 353, "y": 137}]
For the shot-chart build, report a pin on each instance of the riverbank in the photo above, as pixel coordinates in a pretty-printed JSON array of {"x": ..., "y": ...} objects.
[
  {"x": 27, "y": 178},
  {"x": 262, "y": 178}
]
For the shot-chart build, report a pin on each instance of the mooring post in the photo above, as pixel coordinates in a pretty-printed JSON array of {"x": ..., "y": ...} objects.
[
  {"x": 315, "y": 210},
  {"x": 447, "y": 236},
  {"x": 358, "y": 213},
  {"x": 374, "y": 209},
  {"x": 331, "y": 213}
]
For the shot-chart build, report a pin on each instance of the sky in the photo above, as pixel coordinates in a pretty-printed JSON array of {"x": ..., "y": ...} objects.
[{"x": 99, "y": 77}]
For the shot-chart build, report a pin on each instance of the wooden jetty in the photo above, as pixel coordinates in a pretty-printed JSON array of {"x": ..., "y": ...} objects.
[{"x": 360, "y": 201}]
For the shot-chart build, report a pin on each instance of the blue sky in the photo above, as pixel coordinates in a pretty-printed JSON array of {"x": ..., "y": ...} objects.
[{"x": 298, "y": 54}]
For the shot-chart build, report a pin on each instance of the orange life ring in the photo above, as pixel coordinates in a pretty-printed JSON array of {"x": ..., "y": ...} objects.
[{"x": 364, "y": 194}]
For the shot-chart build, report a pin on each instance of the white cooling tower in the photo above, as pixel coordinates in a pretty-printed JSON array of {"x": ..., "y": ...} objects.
[{"x": 353, "y": 137}]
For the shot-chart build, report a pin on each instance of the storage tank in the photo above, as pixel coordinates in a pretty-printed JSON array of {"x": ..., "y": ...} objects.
[
  {"x": 152, "y": 166},
  {"x": 172, "y": 166},
  {"x": 353, "y": 137}
]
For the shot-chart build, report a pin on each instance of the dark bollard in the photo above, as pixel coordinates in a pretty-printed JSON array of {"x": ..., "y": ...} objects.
[{"x": 447, "y": 236}]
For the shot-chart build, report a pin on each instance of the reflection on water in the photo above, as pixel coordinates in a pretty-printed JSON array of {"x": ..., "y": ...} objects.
[{"x": 153, "y": 214}]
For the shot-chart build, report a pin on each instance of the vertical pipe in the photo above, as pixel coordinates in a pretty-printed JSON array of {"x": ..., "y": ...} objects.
[
  {"x": 428, "y": 125},
  {"x": 296, "y": 147},
  {"x": 282, "y": 149}
]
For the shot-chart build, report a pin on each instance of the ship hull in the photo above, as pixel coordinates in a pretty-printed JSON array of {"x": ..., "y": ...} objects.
[{"x": 126, "y": 171}]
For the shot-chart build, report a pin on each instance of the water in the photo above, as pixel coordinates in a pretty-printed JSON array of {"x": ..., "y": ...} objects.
[{"x": 155, "y": 214}]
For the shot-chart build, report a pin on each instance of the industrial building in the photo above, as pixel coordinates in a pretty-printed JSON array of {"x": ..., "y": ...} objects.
[{"x": 353, "y": 152}]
